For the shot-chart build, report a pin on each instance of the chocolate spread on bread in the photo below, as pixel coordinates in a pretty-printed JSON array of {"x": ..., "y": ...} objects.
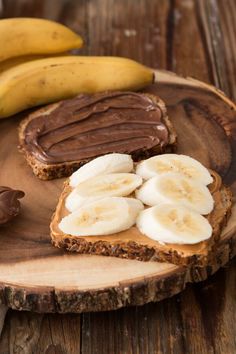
[
  {"x": 9, "y": 203},
  {"x": 93, "y": 125}
]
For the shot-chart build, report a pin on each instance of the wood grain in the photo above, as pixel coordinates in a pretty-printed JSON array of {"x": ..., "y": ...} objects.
[
  {"x": 184, "y": 44},
  {"x": 182, "y": 319},
  {"x": 36, "y": 333},
  {"x": 227, "y": 25},
  {"x": 182, "y": 323}
]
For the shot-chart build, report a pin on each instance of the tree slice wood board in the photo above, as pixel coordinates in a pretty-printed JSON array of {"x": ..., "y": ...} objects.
[{"x": 36, "y": 276}]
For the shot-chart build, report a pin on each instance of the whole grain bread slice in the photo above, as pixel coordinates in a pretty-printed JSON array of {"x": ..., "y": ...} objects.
[
  {"x": 132, "y": 244},
  {"x": 47, "y": 171}
]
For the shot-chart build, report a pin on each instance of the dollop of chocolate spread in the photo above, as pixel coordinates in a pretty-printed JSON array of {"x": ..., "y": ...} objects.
[
  {"x": 9, "y": 203},
  {"x": 92, "y": 125}
]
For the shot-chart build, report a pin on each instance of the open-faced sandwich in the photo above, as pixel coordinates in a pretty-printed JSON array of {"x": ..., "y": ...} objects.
[
  {"x": 167, "y": 208},
  {"x": 61, "y": 137}
]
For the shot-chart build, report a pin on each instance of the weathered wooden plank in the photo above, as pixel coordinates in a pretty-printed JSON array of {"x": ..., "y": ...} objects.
[
  {"x": 227, "y": 10},
  {"x": 209, "y": 19},
  {"x": 135, "y": 29},
  {"x": 207, "y": 313},
  {"x": 31, "y": 8},
  {"x": 188, "y": 54},
  {"x": 22, "y": 332},
  {"x": 27, "y": 332},
  {"x": 59, "y": 334}
]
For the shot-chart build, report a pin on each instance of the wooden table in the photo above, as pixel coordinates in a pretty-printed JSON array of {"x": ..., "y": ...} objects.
[{"x": 192, "y": 38}]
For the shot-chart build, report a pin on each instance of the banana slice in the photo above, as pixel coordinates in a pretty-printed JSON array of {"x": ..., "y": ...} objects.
[
  {"x": 102, "y": 217},
  {"x": 110, "y": 185},
  {"x": 183, "y": 164},
  {"x": 110, "y": 163},
  {"x": 173, "y": 223},
  {"x": 174, "y": 188}
]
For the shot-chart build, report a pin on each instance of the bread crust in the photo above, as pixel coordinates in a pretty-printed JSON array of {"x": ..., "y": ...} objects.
[
  {"x": 58, "y": 170},
  {"x": 132, "y": 249}
]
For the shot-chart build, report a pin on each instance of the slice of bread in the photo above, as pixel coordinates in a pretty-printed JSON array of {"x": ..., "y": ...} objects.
[
  {"x": 134, "y": 245},
  {"x": 48, "y": 171}
]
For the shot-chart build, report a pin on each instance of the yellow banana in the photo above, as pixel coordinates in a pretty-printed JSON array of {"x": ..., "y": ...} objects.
[
  {"x": 24, "y": 36},
  {"x": 52, "y": 79},
  {"x": 10, "y": 63}
]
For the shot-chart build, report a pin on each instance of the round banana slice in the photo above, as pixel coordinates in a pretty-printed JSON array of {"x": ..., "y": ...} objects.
[
  {"x": 102, "y": 217},
  {"x": 185, "y": 165},
  {"x": 173, "y": 223},
  {"x": 110, "y": 163},
  {"x": 110, "y": 185},
  {"x": 174, "y": 188}
]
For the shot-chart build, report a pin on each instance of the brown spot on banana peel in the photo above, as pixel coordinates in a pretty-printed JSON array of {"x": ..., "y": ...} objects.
[
  {"x": 42, "y": 82},
  {"x": 153, "y": 78},
  {"x": 55, "y": 35}
]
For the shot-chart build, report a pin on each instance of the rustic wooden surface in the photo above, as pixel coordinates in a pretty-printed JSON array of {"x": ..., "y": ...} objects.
[{"x": 193, "y": 38}]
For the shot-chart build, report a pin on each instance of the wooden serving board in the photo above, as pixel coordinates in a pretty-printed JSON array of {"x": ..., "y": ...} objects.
[{"x": 36, "y": 276}]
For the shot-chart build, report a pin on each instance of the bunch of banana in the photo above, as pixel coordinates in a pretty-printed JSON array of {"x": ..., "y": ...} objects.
[
  {"x": 29, "y": 76},
  {"x": 174, "y": 192}
]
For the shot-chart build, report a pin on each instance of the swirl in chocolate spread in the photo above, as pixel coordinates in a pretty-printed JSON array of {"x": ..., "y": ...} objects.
[
  {"x": 9, "y": 203},
  {"x": 92, "y": 125}
]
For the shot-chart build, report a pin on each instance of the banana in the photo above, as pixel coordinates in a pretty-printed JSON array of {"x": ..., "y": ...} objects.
[
  {"x": 173, "y": 223},
  {"x": 183, "y": 164},
  {"x": 24, "y": 36},
  {"x": 102, "y": 217},
  {"x": 110, "y": 163},
  {"x": 52, "y": 79},
  {"x": 174, "y": 188},
  {"x": 110, "y": 185},
  {"x": 12, "y": 62}
]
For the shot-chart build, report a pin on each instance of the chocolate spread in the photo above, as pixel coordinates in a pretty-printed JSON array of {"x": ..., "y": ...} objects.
[
  {"x": 9, "y": 203},
  {"x": 92, "y": 125}
]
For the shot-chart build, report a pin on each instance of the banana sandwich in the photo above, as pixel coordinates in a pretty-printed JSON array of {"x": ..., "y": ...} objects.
[
  {"x": 59, "y": 138},
  {"x": 166, "y": 208}
]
